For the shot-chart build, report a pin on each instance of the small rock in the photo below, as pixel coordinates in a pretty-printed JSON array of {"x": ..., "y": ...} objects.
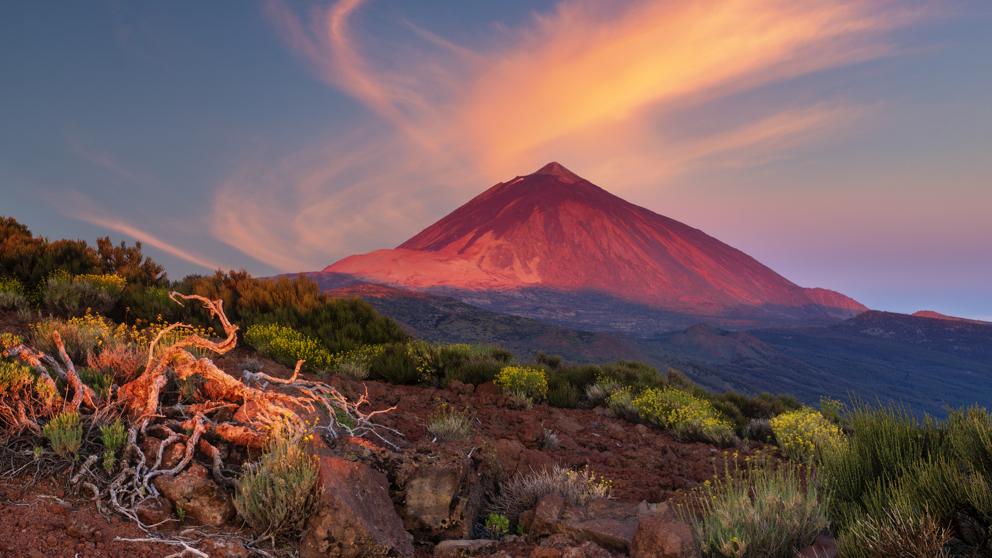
[
  {"x": 225, "y": 548},
  {"x": 545, "y": 552},
  {"x": 611, "y": 533},
  {"x": 546, "y": 515},
  {"x": 588, "y": 549},
  {"x": 659, "y": 535},
  {"x": 197, "y": 494},
  {"x": 456, "y": 548}
]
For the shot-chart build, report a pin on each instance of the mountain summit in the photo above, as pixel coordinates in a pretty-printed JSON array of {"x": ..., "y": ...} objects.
[{"x": 555, "y": 230}]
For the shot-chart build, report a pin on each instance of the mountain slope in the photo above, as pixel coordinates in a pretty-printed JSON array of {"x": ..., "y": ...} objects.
[{"x": 554, "y": 230}]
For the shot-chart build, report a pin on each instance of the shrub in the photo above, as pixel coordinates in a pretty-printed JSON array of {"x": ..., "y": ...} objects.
[
  {"x": 65, "y": 433},
  {"x": 528, "y": 381},
  {"x": 685, "y": 415},
  {"x": 286, "y": 346},
  {"x": 621, "y": 402},
  {"x": 497, "y": 525},
  {"x": 12, "y": 296},
  {"x": 894, "y": 533},
  {"x": 9, "y": 340},
  {"x": 357, "y": 362},
  {"x": 71, "y": 295},
  {"x": 801, "y": 433},
  {"x": 395, "y": 364},
  {"x": 763, "y": 512},
  {"x": 522, "y": 492},
  {"x": 519, "y": 401},
  {"x": 277, "y": 494},
  {"x": 97, "y": 380},
  {"x": 113, "y": 436},
  {"x": 447, "y": 423},
  {"x": 470, "y": 364},
  {"x": 563, "y": 394},
  {"x": 82, "y": 335},
  {"x": 122, "y": 362},
  {"x": 884, "y": 443},
  {"x": 14, "y": 378}
]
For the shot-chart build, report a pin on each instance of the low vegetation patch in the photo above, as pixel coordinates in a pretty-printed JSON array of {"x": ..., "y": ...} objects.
[
  {"x": 685, "y": 415},
  {"x": 65, "y": 434},
  {"x": 803, "y": 432},
  {"x": 447, "y": 423},
  {"x": 767, "y": 511},
  {"x": 286, "y": 346},
  {"x": 71, "y": 295},
  {"x": 277, "y": 494},
  {"x": 522, "y": 492},
  {"x": 523, "y": 382}
]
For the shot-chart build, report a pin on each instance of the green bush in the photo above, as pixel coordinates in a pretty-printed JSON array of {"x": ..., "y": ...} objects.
[
  {"x": 286, "y": 346},
  {"x": 100, "y": 382},
  {"x": 621, "y": 401},
  {"x": 685, "y": 415},
  {"x": 277, "y": 494},
  {"x": 396, "y": 365},
  {"x": 113, "y": 436},
  {"x": 801, "y": 433},
  {"x": 522, "y": 491},
  {"x": 895, "y": 533},
  {"x": 447, "y": 423},
  {"x": 14, "y": 378},
  {"x": 72, "y": 295},
  {"x": 82, "y": 336},
  {"x": 357, "y": 363},
  {"x": 762, "y": 512},
  {"x": 65, "y": 434},
  {"x": 563, "y": 394},
  {"x": 497, "y": 525},
  {"x": 341, "y": 324},
  {"x": 523, "y": 380},
  {"x": 12, "y": 295},
  {"x": 885, "y": 442}
]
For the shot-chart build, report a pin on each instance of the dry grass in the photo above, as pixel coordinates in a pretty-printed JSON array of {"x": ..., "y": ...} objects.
[{"x": 523, "y": 491}]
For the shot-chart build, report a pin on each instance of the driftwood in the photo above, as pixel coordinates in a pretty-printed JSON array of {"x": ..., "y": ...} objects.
[{"x": 244, "y": 412}]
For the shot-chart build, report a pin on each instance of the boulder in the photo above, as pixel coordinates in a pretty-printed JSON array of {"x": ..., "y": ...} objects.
[
  {"x": 587, "y": 549},
  {"x": 197, "y": 495},
  {"x": 456, "y": 548},
  {"x": 616, "y": 534},
  {"x": 355, "y": 515},
  {"x": 544, "y": 520},
  {"x": 441, "y": 498},
  {"x": 512, "y": 457},
  {"x": 661, "y": 535}
]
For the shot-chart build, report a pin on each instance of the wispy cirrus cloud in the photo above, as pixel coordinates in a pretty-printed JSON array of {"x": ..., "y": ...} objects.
[{"x": 595, "y": 83}]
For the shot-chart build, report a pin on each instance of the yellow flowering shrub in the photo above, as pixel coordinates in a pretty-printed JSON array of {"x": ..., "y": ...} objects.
[
  {"x": 801, "y": 433},
  {"x": 524, "y": 380},
  {"x": 684, "y": 414},
  {"x": 66, "y": 294},
  {"x": 286, "y": 346}
]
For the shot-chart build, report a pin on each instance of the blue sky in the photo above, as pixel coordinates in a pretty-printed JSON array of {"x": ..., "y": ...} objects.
[{"x": 844, "y": 145}]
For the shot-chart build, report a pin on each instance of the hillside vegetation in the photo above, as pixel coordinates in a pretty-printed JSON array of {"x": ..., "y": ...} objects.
[{"x": 106, "y": 365}]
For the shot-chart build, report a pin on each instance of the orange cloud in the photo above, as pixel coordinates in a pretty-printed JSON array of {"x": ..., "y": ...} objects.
[{"x": 590, "y": 83}]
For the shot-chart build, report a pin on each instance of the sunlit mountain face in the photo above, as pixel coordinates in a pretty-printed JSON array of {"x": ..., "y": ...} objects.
[{"x": 551, "y": 236}]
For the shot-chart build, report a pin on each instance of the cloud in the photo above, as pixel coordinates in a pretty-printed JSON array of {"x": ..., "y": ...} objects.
[
  {"x": 77, "y": 206},
  {"x": 597, "y": 83}
]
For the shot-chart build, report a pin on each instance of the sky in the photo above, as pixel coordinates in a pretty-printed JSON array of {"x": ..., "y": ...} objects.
[{"x": 844, "y": 145}]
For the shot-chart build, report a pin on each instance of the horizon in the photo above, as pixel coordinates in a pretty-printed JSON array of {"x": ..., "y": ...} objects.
[{"x": 842, "y": 146}]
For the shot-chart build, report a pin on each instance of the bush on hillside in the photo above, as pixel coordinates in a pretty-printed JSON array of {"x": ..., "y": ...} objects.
[
  {"x": 71, "y": 295},
  {"x": 525, "y": 381},
  {"x": 763, "y": 512},
  {"x": 448, "y": 423},
  {"x": 563, "y": 394},
  {"x": 685, "y": 415},
  {"x": 895, "y": 533},
  {"x": 277, "y": 494},
  {"x": 522, "y": 491},
  {"x": 801, "y": 433},
  {"x": 396, "y": 365},
  {"x": 82, "y": 335},
  {"x": 65, "y": 434},
  {"x": 286, "y": 346},
  {"x": 341, "y": 324},
  {"x": 12, "y": 295}
]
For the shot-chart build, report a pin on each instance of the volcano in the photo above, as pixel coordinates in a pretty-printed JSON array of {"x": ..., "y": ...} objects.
[{"x": 555, "y": 232}]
